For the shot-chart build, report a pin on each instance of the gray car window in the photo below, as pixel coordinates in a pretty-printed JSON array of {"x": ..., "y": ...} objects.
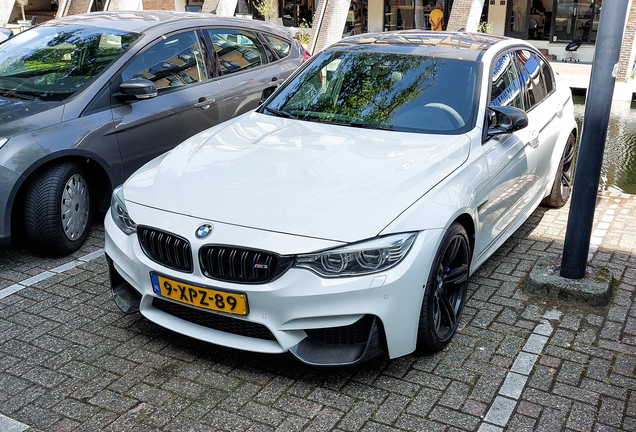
[
  {"x": 281, "y": 46},
  {"x": 237, "y": 50},
  {"x": 171, "y": 62}
]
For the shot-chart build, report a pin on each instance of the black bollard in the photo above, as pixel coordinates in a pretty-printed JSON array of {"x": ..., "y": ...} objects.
[{"x": 592, "y": 146}]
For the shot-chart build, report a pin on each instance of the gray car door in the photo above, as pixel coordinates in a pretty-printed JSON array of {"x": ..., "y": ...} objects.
[
  {"x": 247, "y": 66},
  {"x": 188, "y": 100}
]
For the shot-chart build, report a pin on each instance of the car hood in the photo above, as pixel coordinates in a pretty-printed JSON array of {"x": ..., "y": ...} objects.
[
  {"x": 318, "y": 180},
  {"x": 21, "y": 116}
]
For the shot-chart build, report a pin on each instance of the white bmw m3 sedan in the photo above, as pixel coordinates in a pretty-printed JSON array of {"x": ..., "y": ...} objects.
[{"x": 343, "y": 217}]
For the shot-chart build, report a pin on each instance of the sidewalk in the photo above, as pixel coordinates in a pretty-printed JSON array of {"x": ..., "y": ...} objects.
[
  {"x": 70, "y": 361},
  {"x": 577, "y": 76}
]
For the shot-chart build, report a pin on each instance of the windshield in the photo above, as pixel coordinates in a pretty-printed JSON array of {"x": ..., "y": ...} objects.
[
  {"x": 395, "y": 91},
  {"x": 52, "y": 63}
]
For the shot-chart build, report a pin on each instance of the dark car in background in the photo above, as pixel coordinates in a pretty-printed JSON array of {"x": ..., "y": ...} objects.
[{"x": 86, "y": 100}]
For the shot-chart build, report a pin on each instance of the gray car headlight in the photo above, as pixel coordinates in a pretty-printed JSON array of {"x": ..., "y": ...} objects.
[
  {"x": 367, "y": 257},
  {"x": 119, "y": 212}
]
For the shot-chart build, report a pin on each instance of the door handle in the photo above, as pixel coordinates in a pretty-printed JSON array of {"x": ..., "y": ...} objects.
[{"x": 204, "y": 103}]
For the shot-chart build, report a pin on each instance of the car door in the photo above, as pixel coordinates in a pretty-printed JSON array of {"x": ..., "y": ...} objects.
[
  {"x": 187, "y": 102},
  {"x": 247, "y": 66},
  {"x": 511, "y": 159},
  {"x": 543, "y": 110}
]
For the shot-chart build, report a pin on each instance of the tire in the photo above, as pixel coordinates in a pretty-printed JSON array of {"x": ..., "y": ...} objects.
[
  {"x": 57, "y": 209},
  {"x": 562, "y": 186},
  {"x": 445, "y": 291}
]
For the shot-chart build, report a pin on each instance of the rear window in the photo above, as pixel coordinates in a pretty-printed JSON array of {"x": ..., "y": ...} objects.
[
  {"x": 237, "y": 50},
  {"x": 281, "y": 46}
]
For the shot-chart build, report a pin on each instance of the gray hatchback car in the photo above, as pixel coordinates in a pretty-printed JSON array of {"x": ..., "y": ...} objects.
[{"x": 86, "y": 100}]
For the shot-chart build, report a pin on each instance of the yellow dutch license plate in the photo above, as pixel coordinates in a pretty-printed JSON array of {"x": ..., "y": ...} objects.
[{"x": 207, "y": 298}]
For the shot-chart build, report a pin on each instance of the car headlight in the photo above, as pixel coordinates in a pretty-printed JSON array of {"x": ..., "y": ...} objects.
[
  {"x": 119, "y": 212},
  {"x": 367, "y": 257}
]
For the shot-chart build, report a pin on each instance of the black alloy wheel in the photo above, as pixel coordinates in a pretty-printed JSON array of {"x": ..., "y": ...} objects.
[
  {"x": 445, "y": 291},
  {"x": 562, "y": 187}
]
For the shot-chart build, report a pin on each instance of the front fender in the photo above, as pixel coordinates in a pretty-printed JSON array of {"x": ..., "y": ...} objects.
[{"x": 460, "y": 193}]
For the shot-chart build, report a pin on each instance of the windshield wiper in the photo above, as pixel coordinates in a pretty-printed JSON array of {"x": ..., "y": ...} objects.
[
  {"x": 281, "y": 113},
  {"x": 369, "y": 125},
  {"x": 13, "y": 93}
]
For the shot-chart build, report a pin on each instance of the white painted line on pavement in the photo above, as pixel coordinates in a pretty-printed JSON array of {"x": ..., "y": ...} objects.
[
  {"x": 9, "y": 425},
  {"x": 602, "y": 228},
  {"x": 5, "y": 292},
  {"x": 510, "y": 391}
]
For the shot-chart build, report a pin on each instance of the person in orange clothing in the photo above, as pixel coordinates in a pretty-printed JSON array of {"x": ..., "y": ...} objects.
[{"x": 436, "y": 18}]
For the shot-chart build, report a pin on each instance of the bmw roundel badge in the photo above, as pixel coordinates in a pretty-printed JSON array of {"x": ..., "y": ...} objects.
[{"x": 203, "y": 231}]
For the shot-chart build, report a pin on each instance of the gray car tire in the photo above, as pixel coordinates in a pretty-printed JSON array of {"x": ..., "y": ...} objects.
[{"x": 57, "y": 209}]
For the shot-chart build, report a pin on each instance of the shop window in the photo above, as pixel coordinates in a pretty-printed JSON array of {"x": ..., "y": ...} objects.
[
  {"x": 576, "y": 21},
  {"x": 408, "y": 14}
]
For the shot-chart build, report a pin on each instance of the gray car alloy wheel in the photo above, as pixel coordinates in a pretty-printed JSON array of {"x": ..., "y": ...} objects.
[{"x": 74, "y": 207}]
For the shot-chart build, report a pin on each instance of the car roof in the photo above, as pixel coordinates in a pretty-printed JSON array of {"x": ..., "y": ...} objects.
[
  {"x": 143, "y": 21},
  {"x": 469, "y": 46}
]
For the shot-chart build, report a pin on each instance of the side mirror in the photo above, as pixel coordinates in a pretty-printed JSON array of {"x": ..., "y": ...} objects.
[
  {"x": 137, "y": 88},
  {"x": 506, "y": 120},
  {"x": 267, "y": 93}
]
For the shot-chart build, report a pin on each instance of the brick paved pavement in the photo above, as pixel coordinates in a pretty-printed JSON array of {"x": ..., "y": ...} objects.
[{"x": 70, "y": 361}]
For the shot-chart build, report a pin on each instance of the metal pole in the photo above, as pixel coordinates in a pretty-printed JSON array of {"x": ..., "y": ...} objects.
[{"x": 592, "y": 146}]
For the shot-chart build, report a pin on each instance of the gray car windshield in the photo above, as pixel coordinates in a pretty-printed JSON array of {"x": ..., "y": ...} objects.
[
  {"x": 380, "y": 90},
  {"x": 52, "y": 63}
]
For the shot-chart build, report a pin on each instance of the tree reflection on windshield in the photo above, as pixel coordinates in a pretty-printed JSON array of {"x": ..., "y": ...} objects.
[
  {"x": 387, "y": 90},
  {"x": 51, "y": 63}
]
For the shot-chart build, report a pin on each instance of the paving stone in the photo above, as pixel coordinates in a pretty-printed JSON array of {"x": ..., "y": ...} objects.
[
  {"x": 390, "y": 410},
  {"x": 500, "y": 411},
  {"x": 581, "y": 417},
  {"x": 76, "y": 363},
  {"x": 611, "y": 411}
]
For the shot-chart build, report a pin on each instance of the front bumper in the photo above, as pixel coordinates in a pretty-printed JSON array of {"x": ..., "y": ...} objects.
[
  {"x": 8, "y": 181},
  {"x": 296, "y": 309}
]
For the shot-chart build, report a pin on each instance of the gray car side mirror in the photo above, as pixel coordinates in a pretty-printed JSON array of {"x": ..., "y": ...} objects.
[{"x": 138, "y": 88}]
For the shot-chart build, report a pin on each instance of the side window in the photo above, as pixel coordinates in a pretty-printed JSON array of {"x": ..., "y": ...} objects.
[
  {"x": 531, "y": 67},
  {"x": 547, "y": 76},
  {"x": 171, "y": 62},
  {"x": 281, "y": 46},
  {"x": 506, "y": 89},
  {"x": 237, "y": 50}
]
